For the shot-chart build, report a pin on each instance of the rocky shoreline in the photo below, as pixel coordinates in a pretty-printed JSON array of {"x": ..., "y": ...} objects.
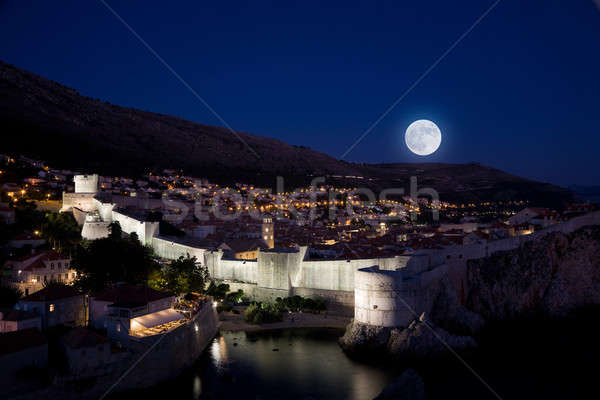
[{"x": 547, "y": 278}]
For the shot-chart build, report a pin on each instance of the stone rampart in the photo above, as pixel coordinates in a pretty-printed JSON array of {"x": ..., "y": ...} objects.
[
  {"x": 171, "y": 250},
  {"x": 394, "y": 298},
  {"x": 145, "y": 230}
]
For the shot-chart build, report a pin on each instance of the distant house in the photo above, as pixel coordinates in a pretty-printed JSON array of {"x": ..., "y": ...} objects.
[
  {"x": 243, "y": 249},
  {"x": 18, "y": 320},
  {"x": 122, "y": 310},
  {"x": 7, "y": 214},
  {"x": 26, "y": 239},
  {"x": 19, "y": 350},
  {"x": 475, "y": 237},
  {"x": 29, "y": 273},
  {"x": 56, "y": 305},
  {"x": 542, "y": 217},
  {"x": 323, "y": 251}
]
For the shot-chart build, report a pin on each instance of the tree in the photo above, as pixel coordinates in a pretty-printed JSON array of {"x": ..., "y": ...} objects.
[
  {"x": 218, "y": 292},
  {"x": 235, "y": 297},
  {"x": 104, "y": 262},
  {"x": 9, "y": 296},
  {"x": 115, "y": 231},
  {"x": 28, "y": 218},
  {"x": 61, "y": 231},
  {"x": 181, "y": 276}
]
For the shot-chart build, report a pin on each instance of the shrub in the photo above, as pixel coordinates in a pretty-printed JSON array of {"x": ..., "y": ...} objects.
[
  {"x": 235, "y": 297},
  {"x": 259, "y": 313},
  {"x": 298, "y": 303}
]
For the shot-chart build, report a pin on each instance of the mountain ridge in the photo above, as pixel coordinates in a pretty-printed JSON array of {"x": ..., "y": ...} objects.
[{"x": 53, "y": 122}]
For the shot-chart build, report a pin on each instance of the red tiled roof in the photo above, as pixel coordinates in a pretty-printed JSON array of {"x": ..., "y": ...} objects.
[
  {"x": 49, "y": 255},
  {"x": 27, "y": 256},
  {"x": 243, "y": 245},
  {"x": 53, "y": 292},
  {"x": 131, "y": 294},
  {"x": 12, "y": 342}
]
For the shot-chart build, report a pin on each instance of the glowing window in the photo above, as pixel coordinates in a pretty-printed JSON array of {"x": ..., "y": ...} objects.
[{"x": 51, "y": 307}]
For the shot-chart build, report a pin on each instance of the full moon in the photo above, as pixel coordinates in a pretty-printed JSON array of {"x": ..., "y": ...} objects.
[{"x": 423, "y": 137}]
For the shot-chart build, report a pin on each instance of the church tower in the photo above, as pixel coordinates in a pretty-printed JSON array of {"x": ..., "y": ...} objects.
[{"x": 268, "y": 231}]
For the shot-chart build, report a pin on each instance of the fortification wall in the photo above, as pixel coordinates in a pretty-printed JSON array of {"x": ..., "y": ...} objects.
[
  {"x": 239, "y": 270},
  {"x": 104, "y": 209},
  {"x": 83, "y": 201},
  {"x": 144, "y": 230},
  {"x": 171, "y": 250},
  {"x": 337, "y": 274},
  {"x": 390, "y": 298},
  {"x": 79, "y": 215},
  {"x": 95, "y": 230},
  {"x": 387, "y": 298},
  {"x": 338, "y": 301},
  {"x": 276, "y": 270},
  {"x": 249, "y": 289},
  {"x": 245, "y": 271},
  {"x": 48, "y": 205},
  {"x": 179, "y": 349}
]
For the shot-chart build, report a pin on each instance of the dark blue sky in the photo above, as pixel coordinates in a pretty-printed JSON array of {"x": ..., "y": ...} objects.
[{"x": 520, "y": 93}]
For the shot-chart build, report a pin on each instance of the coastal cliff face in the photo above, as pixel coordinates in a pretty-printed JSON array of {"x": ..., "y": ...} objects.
[{"x": 549, "y": 277}]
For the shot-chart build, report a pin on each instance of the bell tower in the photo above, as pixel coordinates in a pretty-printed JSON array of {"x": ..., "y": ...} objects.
[{"x": 268, "y": 231}]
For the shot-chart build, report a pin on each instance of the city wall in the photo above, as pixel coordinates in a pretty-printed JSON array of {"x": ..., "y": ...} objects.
[
  {"x": 156, "y": 358},
  {"x": 379, "y": 289},
  {"x": 93, "y": 230},
  {"x": 395, "y": 298},
  {"x": 179, "y": 349},
  {"x": 83, "y": 201},
  {"x": 170, "y": 249},
  {"x": 143, "y": 229}
]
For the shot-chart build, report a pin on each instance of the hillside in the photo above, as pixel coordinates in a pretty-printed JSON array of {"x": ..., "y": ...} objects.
[{"x": 49, "y": 121}]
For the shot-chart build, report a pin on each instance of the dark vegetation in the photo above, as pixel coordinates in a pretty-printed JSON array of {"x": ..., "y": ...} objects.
[
  {"x": 116, "y": 258},
  {"x": 527, "y": 357},
  {"x": 181, "y": 276},
  {"x": 59, "y": 229},
  {"x": 263, "y": 312},
  {"x": 9, "y": 296}
]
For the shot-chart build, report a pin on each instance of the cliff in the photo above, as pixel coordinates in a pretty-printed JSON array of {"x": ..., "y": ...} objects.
[
  {"x": 552, "y": 277},
  {"x": 549, "y": 277}
]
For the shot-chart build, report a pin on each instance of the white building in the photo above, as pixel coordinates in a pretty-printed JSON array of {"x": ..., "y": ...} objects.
[
  {"x": 56, "y": 305},
  {"x": 124, "y": 309},
  {"x": 31, "y": 272},
  {"x": 18, "y": 320}
]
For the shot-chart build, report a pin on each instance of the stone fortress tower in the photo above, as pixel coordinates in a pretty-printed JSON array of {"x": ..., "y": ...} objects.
[
  {"x": 86, "y": 183},
  {"x": 267, "y": 232},
  {"x": 82, "y": 200}
]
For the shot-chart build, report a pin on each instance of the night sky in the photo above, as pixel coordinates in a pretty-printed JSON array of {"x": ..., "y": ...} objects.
[{"x": 521, "y": 92}]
